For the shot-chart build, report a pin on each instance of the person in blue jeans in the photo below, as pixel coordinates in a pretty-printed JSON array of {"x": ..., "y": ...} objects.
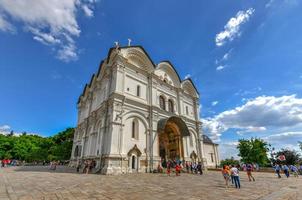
[
  {"x": 285, "y": 170},
  {"x": 235, "y": 174},
  {"x": 277, "y": 170}
]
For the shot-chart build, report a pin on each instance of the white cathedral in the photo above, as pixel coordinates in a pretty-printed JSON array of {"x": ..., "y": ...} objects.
[{"x": 134, "y": 114}]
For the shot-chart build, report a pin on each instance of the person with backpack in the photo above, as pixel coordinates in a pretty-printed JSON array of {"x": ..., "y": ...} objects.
[{"x": 249, "y": 169}]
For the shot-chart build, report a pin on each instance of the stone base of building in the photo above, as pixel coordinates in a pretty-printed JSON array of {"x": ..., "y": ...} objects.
[{"x": 121, "y": 164}]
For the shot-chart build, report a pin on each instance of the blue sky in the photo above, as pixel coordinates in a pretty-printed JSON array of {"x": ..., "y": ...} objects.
[{"x": 244, "y": 57}]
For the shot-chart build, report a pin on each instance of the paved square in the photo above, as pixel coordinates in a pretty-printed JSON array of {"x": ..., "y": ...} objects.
[{"x": 41, "y": 183}]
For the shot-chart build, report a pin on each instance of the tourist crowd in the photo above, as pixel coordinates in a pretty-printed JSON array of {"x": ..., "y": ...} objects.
[
  {"x": 293, "y": 169},
  {"x": 9, "y": 162},
  {"x": 178, "y": 166},
  {"x": 231, "y": 173}
]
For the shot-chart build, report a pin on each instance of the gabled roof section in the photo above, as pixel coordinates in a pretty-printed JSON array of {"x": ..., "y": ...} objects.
[
  {"x": 84, "y": 90},
  {"x": 167, "y": 67},
  {"x": 137, "y": 56},
  {"x": 138, "y": 50},
  {"x": 91, "y": 80},
  {"x": 190, "y": 82},
  {"x": 100, "y": 68},
  {"x": 207, "y": 140}
]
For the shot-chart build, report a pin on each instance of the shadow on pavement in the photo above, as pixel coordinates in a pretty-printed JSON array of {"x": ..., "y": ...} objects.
[{"x": 60, "y": 169}]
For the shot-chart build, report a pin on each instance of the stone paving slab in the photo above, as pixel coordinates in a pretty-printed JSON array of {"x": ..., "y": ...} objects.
[{"x": 40, "y": 183}]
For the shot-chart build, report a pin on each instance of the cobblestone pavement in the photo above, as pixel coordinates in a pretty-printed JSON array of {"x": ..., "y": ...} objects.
[{"x": 41, "y": 183}]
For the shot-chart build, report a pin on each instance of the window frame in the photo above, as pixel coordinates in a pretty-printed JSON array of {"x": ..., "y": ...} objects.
[
  {"x": 138, "y": 90},
  {"x": 171, "y": 105},
  {"x": 162, "y": 102}
]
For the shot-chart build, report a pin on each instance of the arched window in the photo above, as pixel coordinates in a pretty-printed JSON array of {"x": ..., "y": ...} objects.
[
  {"x": 138, "y": 91},
  {"x": 162, "y": 102},
  {"x": 171, "y": 106},
  {"x": 134, "y": 131}
]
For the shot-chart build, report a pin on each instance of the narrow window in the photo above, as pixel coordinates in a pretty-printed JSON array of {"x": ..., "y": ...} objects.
[
  {"x": 171, "y": 106},
  {"x": 162, "y": 103},
  {"x": 187, "y": 110},
  {"x": 138, "y": 91},
  {"x": 134, "y": 133},
  {"x": 133, "y": 129},
  {"x": 212, "y": 158}
]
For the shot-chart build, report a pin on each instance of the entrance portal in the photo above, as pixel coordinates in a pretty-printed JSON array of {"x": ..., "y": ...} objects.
[{"x": 170, "y": 143}]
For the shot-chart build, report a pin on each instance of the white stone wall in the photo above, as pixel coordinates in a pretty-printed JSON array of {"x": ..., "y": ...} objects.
[
  {"x": 110, "y": 103},
  {"x": 211, "y": 149}
]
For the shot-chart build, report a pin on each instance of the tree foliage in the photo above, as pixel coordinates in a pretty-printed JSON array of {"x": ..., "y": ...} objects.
[
  {"x": 36, "y": 148},
  {"x": 253, "y": 151},
  {"x": 291, "y": 156},
  {"x": 229, "y": 161},
  {"x": 300, "y": 145}
]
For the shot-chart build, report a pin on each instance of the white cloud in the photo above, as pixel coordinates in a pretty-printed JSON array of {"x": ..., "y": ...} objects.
[
  {"x": 4, "y": 128},
  {"x": 269, "y": 3},
  {"x": 256, "y": 115},
  {"x": 52, "y": 22},
  {"x": 5, "y": 25},
  {"x": 228, "y": 149},
  {"x": 285, "y": 140},
  {"x": 188, "y": 76},
  {"x": 251, "y": 129},
  {"x": 225, "y": 56},
  {"x": 88, "y": 12},
  {"x": 220, "y": 67},
  {"x": 214, "y": 103},
  {"x": 232, "y": 28}
]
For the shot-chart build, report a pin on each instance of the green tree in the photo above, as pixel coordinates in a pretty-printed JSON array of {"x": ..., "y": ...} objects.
[
  {"x": 36, "y": 148},
  {"x": 6, "y": 146},
  {"x": 291, "y": 156},
  {"x": 61, "y": 149},
  {"x": 229, "y": 161},
  {"x": 300, "y": 145},
  {"x": 253, "y": 151}
]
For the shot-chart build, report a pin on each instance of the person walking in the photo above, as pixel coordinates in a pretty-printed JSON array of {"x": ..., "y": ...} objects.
[
  {"x": 235, "y": 174},
  {"x": 285, "y": 170},
  {"x": 199, "y": 168},
  {"x": 187, "y": 166},
  {"x": 226, "y": 175},
  {"x": 177, "y": 169},
  {"x": 277, "y": 170},
  {"x": 300, "y": 169},
  {"x": 168, "y": 168},
  {"x": 249, "y": 169},
  {"x": 294, "y": 170}
]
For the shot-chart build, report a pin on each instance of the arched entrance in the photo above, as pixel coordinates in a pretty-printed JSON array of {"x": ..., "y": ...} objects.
[
  {"x": 134, "y": 158},
  {"x": 170, "y": 133}
]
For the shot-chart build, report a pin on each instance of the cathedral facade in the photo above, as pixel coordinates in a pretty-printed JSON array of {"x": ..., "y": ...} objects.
[{"x": 135, "y": 114}]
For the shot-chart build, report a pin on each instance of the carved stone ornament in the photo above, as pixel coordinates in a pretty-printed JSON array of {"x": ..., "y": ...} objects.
[{"x": 136, "y": 150}]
